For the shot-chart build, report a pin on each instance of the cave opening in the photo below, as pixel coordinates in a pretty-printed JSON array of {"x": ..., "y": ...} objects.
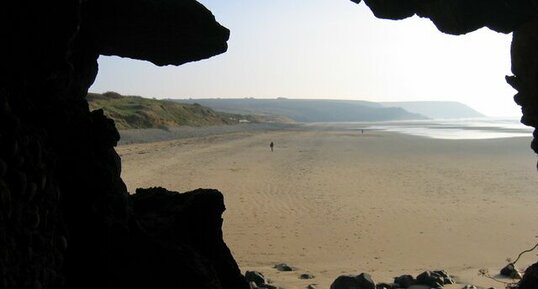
[
  {"x": 260, "y": 236},
  {"x": 67, "y": 219}
]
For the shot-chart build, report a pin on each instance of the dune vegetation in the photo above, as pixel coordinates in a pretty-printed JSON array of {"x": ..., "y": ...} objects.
[{"x": 129, "y": 112}]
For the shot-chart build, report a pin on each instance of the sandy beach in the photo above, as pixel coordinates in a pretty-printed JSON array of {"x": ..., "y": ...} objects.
[{"x": 332, "y": 202}]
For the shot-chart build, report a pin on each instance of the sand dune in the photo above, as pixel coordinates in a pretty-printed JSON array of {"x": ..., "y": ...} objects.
[{"x": 338, "y": 202}]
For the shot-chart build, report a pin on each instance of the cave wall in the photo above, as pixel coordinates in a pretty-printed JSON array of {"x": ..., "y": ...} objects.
[
  {"x": 524, "y": 52},
  {"x": 66, "y": 218}
]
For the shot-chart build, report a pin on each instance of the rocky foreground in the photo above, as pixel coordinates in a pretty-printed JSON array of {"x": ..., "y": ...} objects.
[{"x": 428, "y": 279}]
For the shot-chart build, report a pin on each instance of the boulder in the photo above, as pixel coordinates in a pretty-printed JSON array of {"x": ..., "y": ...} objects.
[
  {"x": 510, "y": 271},
  {"x": 283, "y": 267},
  {"x": 430, "y": 278},
  {"x": 190, "y": 222},
  {"x": 446, "y": 277},
  {"x": 256, "y": 277},
  {"x": 361, "y": 281},
  {"x": 306, "y": 276},
  {"x": 405, "y": 281}
]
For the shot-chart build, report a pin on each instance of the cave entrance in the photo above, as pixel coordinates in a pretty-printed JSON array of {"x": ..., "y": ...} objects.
[{"x": 353, "y": 197}]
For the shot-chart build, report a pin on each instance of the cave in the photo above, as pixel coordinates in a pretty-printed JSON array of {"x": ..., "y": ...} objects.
[{"x": 66, "y": 218}]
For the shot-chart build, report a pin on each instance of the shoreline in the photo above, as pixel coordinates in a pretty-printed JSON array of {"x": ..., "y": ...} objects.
[{"x": 149, "y": 135}]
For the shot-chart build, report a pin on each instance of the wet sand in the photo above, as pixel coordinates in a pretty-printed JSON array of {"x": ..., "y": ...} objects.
[{"x": 332, "y": 202}]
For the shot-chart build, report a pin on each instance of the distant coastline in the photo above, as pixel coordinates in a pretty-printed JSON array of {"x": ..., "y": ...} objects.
[{"x": 335, "y": 110}]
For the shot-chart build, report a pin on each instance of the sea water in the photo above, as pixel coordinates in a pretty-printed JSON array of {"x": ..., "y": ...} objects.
[{"x": 475, "y": 128}]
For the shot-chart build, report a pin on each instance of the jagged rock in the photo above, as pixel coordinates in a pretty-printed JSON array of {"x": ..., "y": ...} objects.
[
  {"x": 256, "y": 277},
  {"x": 530, "y": 278},
  {"x": 430, "y": 278},
  {"x": 345, "y": 282},
  {"x": 312, "y": 286},
  {"x": 524, "y": 52},
  {"x": 361, "y": 281},
  {"x": 306, "y": 276},
  {"x": 191, "y": 222},
  {"x": 458, "y": 16},
  {"x": 283, "y": 267},
  {"x": 253, "y": 285},
  {"x": 185, "y": 30},
  {"x": 469, "y": 287},
  {"x": 405, "y": 281},
  {"x": 445, "y": 276},
  {"x": 510, "y": 271}
]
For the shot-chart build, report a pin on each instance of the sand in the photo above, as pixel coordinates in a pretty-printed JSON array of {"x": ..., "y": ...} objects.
[{"x": 333, "y": 202}]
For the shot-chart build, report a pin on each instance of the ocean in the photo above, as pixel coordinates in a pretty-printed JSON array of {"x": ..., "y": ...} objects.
[{"x": 475, "y": 128}]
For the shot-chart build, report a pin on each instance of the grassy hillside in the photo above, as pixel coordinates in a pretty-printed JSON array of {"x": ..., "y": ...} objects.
[
  {"x": 309, "y": 110},
  {"x": 136, "y": 112}
]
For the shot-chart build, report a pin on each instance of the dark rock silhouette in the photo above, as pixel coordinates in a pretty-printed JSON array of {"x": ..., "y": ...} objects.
[
  {"x": 530, "y": 278},
  {"x": 190, "y": 223},
  {"x": 256, "y": 277},
  {"x": 510, "y": 271},
  {"x": 66, "y": 218},
  {"x": 405, "y": 281},
  {"x": 361, "y": 281},
  {"x": 306, "y": 276},
  {"x": 459, "y": 16},
  {"x": 431, "y": 279},
  {"x": 525, "y": 80},
  {"x": 178, "y": 31}
]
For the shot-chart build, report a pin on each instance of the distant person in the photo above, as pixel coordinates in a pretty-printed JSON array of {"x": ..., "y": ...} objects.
[
  {"x": 362, "y": 131},
  {"x": 271, "y": 145}
]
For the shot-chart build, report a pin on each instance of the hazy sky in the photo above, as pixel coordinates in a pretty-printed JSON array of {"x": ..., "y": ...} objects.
[{"x": 330, "y": 49}]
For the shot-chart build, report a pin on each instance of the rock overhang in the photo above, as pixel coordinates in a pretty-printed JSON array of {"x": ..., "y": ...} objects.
[
  {"x": 164, "y": 32},
  {"x": 459, "y": 16}
]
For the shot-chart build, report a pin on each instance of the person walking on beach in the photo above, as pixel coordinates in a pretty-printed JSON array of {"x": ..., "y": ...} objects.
[{"x": 271, "y": 145}]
